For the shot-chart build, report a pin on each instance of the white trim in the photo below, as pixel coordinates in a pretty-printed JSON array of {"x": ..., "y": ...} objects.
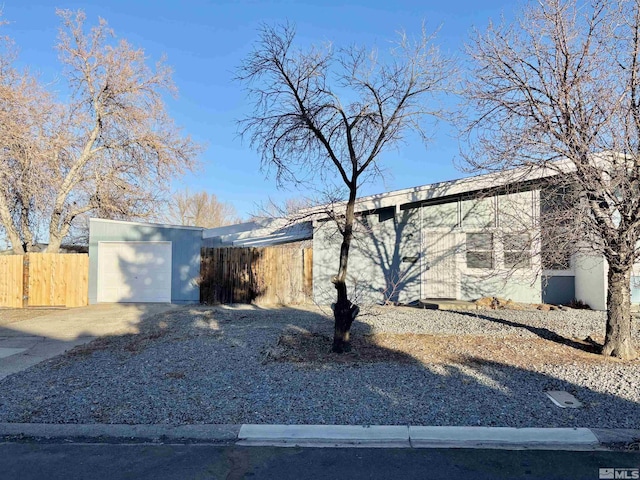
[{"x": 141, "y": 224}]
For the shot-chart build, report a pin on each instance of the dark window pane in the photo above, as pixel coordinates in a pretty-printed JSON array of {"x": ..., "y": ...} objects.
[
  {"x": 516, "y": 259},
  {"x": 557, "y": 264},
  {"x": 479, "y": 241},
  {"x": 556, "y": 251},
  {"x": 516, "y": 241},
  {"x": 477, "y": 259}
]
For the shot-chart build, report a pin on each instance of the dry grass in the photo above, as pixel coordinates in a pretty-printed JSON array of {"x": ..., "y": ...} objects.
[
  {"x": 304, "y": 347},
  {"x": 140, "y": 342},
  {"x": 87, "y": 349},
  {"x": 130, "y": 343}
]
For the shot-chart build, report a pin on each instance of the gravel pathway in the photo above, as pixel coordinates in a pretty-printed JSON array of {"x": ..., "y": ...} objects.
[{"x": 210, "y": 365}]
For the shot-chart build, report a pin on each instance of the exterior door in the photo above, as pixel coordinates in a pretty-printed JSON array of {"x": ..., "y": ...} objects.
[{"x": 440, "y": 269}]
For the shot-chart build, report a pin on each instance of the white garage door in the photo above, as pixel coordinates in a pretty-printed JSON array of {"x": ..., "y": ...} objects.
[{"x": 134, "y": 271}]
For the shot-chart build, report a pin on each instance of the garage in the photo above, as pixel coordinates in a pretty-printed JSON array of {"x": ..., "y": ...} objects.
[{"x": 134, "y": 272}]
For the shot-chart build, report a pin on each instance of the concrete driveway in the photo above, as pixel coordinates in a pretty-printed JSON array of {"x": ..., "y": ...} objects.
[{"x": 28, "y": 342}]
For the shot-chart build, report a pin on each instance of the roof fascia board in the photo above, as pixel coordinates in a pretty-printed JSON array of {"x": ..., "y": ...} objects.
[{"x": 143, "y": 224}]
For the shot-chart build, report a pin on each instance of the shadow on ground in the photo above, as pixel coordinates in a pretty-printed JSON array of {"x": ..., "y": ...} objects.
[{"x": 587, "y": 345}]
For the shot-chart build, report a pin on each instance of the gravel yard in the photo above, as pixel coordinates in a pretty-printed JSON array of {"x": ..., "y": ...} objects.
[{"x": 409, "y": 366}]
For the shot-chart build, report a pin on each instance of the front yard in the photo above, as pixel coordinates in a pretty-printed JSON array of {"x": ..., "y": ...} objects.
[{"x": 408, "y": 366}]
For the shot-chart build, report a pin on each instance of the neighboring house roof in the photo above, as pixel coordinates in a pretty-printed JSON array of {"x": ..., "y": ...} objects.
[
  {"x": 258, "y": 233},
  {"x": 41, "y": 247}
]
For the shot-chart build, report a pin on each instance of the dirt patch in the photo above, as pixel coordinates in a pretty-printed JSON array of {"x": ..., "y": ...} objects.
[
  {"x": 305, "y": 347},
  {"x": 497, "y": 303},
  {"x": 12, "y": 315},
  {"x": 141, "y": 342}
]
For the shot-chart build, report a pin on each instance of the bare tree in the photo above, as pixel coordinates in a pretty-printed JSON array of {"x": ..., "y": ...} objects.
[
  {"x": 325, "y": 115},
  {"x": 292, "y": 208},
  {"x": 26, "y": 113},
  {"x": 200, "y": 209},
  {"x": 109, "y": 149},
  {"x": 560, "y": 89}
]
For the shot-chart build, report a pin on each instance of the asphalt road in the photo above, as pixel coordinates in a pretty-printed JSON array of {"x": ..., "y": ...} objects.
[{"x": 26, "y": 461}]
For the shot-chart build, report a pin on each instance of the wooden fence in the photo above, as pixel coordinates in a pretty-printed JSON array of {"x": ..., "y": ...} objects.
[
  {"x": 268, "y": 275},
  {"x": 11, "y": 282},
  {"x": 44, "y": 280}
]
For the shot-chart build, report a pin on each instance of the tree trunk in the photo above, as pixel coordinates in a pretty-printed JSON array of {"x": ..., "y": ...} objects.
[
  {"x": 54, "y": 243},
  {"x": 344, "y": 312},
  {"x": 16, "y": 244},
  {"x": 343, "y": 317},
  {"x": 619, "y": 340},
  {"x": 56, "y": 234},
  {"x": 12, "y": 233}
]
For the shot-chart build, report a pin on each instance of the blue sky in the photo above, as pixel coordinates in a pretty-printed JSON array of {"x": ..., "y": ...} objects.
[{"x": 205, "y": 41}]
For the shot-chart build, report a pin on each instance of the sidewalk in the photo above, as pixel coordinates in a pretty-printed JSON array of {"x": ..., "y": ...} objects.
[
  {"x": 382, "y": 436},
  {"x": 28, "y": 342}
]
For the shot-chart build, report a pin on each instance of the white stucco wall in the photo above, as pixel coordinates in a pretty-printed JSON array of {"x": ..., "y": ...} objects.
[
  {"x": 523, "y": 288},
  {"x": 591, "y": 280}
]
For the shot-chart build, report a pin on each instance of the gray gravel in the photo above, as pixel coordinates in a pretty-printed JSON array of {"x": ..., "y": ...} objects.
[{"x": 208, "y": 365}]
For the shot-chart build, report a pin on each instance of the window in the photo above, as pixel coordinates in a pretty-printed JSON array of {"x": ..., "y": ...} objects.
[
  {"x": 480, "y": 250},
  {"x": 517, "y": 250}
]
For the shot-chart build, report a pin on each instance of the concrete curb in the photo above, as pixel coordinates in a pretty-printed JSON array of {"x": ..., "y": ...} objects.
[
  {"x": 115, "y": 432},
  {"x": 325, "y": 435},
  {"x": 396, "y": 436},
  {"x": 499, "y": 437}
]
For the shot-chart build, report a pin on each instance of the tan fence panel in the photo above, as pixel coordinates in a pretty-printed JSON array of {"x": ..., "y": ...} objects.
[
  {"x": 40, "y": 272},
  {"x": 269, "y": 275},
  {"x": 308, "y": 272},
  {"x": 11, "y": 280},
  {"x": 58, "y": 279},
  {"x": 77, "y": 273}
]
